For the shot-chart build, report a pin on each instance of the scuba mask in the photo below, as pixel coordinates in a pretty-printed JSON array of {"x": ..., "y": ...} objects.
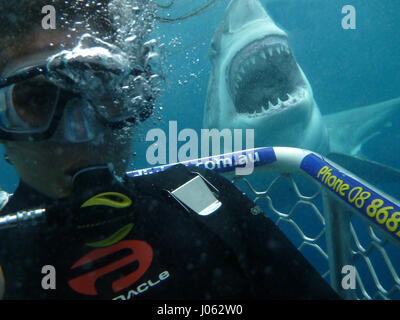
[{"x": 80, "y": 90}]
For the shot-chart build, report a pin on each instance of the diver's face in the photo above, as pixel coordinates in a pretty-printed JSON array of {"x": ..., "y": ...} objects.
[{"x": 48, "y": 166}]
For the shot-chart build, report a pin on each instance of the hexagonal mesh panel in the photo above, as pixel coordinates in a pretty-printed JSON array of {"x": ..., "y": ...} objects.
[{"x": 300, "y": 215}]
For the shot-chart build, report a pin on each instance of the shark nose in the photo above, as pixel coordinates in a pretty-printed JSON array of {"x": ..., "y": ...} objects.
[{"x": 241, "y": 12}]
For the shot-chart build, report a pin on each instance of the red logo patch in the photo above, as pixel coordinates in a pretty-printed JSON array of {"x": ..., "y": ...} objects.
[{"x": 141, "y": 252}]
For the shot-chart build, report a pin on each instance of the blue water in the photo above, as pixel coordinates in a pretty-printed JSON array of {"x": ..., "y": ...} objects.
[{"x": 346, "y": 68}]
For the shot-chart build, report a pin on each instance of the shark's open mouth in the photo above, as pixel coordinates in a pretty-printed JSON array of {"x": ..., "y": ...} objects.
[{"x": 264, "y": 76}]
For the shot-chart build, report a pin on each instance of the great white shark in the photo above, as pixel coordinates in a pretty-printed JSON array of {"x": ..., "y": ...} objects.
[{"x": 256, "y": 83}]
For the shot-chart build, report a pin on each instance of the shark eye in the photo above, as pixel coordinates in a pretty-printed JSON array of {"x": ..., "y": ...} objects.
[{"x": 213, "y": 49}]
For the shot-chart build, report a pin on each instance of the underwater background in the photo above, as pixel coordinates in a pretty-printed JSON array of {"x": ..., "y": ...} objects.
[{"x": 346, "y": 69}]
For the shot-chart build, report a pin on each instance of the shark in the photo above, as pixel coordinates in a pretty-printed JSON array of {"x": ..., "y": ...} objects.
[{"x": 256, "y": 83}]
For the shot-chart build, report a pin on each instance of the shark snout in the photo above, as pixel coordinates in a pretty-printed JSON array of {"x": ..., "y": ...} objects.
[{"x": 242, "y": 12}]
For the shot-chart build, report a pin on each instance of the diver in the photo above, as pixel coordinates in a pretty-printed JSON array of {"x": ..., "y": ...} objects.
[{"x": 67, "y": 129}]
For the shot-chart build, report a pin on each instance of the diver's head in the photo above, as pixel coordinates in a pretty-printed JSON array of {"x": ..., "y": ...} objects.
[{"x": 69, "y": 97}]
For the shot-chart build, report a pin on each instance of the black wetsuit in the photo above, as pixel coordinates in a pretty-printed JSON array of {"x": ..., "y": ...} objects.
[{"x": 154, "y": 248}]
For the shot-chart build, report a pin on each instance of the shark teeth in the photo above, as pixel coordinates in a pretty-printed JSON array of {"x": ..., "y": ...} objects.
[
  {"x": 261, "y": 57},
  {"x": 271, "y": 50},
  {"x": 254, "y": 63},
  {"x": 269, "y": 106},
  {"x": 263, "y": 54}
]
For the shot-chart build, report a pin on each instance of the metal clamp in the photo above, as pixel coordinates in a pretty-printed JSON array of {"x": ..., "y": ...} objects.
[
  {"x": 4, "y": 197},
  {"x": 196, "y": 195},
  {"x": 21, "y": 218}
]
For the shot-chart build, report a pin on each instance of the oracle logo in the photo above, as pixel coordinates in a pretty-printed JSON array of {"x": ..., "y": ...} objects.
[{"x": 142, "y": 252}]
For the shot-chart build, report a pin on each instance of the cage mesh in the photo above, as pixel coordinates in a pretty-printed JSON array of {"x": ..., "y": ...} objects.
[{"x": 295, "y": 204}]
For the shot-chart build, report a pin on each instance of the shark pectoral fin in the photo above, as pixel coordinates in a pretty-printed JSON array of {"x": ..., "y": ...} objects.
[
  {"x": 373, "y": 172},
  {"x": 350, "y": 129}
]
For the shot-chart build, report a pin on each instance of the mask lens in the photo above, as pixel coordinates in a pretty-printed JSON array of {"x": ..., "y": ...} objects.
[
  {"x": 34, "y": 101},
  {"x": 78, "y": 124}
]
